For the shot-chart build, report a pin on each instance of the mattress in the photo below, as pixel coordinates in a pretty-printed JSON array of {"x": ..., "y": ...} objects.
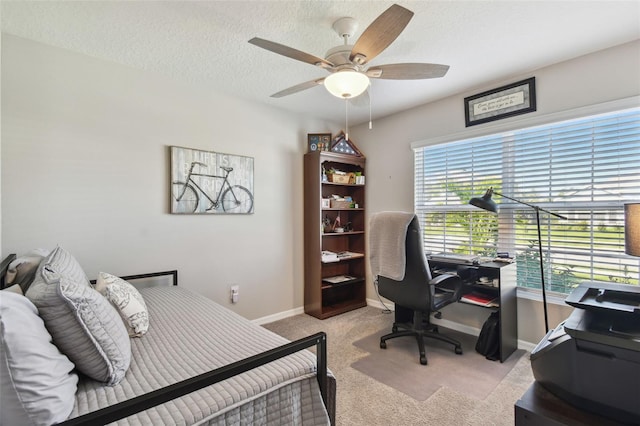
[{"x": 190, "y": 335}]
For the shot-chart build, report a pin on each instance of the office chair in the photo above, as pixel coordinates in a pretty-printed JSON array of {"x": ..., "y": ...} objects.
[{"x": 407, "y": 280}]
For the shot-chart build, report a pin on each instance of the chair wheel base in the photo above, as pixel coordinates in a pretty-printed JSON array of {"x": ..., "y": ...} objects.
[
  {"x": 458, "y": 350},
  {"x": 423, "y": 360},
  {"x": 383, "y": 345}
]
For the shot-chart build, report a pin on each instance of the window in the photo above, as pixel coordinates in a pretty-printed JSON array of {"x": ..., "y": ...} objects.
[{"x": 584, "y": 169}]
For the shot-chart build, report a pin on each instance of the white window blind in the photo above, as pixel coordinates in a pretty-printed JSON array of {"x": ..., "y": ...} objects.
[{"x": 584, "y": 169}]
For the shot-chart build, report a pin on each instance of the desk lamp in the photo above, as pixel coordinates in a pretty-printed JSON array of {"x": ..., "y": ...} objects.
[{"x": 486, "y": 203}]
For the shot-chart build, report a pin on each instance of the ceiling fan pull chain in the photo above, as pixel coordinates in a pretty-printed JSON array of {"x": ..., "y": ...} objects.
[
  {"x": 346, "y": 118},
  {"x": 370, "y": 122}
]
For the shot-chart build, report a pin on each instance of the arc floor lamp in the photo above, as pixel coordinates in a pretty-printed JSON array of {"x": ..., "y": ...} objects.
[{"x": 486, "y": 203}]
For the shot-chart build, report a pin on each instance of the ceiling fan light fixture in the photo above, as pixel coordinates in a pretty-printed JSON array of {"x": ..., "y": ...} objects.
[{"x": 346, "y": 84}]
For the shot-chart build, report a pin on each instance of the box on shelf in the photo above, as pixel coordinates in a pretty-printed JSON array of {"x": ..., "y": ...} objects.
[{"x": 340, "y": 204}]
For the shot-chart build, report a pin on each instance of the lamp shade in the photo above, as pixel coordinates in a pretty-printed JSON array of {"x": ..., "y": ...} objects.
[
  {"x": 346, "y": 84},
  {"x": 485, "y": 202},
  {"x": 632, "y": 229}
]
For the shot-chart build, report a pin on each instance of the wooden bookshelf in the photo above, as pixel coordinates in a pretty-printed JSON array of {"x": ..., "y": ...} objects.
[{"x": 322, "y": 299}]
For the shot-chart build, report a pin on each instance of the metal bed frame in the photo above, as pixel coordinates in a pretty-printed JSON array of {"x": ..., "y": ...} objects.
[{"x": 176, "y": 390}]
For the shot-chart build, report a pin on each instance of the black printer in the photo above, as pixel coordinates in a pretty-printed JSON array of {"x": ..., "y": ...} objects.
[{"x": 592, "y": 359}]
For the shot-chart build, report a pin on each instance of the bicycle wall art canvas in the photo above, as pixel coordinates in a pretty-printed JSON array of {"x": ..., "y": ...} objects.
[{"x": 206, "y": 182}]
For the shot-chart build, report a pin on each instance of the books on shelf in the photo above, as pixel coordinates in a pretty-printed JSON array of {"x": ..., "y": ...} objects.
[
  {"x": 329, "y": 256},
  {"x": 338, "y": 279},
  {"x": 347, "y": 254},
  {"x": 480, "y": 299}
]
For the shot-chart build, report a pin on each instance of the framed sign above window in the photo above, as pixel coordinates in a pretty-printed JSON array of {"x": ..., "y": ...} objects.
[{"x": 507, "y": 101}]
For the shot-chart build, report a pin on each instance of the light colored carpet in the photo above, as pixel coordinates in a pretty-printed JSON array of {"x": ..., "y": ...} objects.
[
  {"x": 399, "y": 365},
  {"x": 362, "y": 400}
]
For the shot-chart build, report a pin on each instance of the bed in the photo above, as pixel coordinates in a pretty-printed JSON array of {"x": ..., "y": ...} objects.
[{"x": 197, "y": 363}]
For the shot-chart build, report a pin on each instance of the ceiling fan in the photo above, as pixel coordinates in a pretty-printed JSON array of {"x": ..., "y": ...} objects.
[{"x": 348, "y": 64}]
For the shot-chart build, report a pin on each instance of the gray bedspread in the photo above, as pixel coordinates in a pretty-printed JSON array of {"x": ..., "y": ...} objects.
[{"x": 189, "y": 335}]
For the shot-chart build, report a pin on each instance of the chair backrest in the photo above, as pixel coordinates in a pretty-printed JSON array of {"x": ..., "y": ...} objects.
[{"x": 413, "y": 291}]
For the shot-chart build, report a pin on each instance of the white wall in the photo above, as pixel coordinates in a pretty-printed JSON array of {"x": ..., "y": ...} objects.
[
  {"x": 85, "y": 164},
  {"x": 1, "y": 152},
  {"x": 592, "y": 79}
]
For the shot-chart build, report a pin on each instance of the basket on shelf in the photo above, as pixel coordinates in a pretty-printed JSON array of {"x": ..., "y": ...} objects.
[{"x": 336, "y": 178}]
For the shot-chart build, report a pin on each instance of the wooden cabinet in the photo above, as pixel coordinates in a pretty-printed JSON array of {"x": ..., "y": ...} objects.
[
  {"x": 333, "y": 287},
  {"x": 491, "y": 285}
]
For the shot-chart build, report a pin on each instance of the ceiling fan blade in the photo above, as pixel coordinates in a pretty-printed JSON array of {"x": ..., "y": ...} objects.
[
  {"x": 298, "y": 88},
  {"x": 380, "y": 34},
  {"x": 290, "y": 52},
  {"x": 408, "y": 71}
]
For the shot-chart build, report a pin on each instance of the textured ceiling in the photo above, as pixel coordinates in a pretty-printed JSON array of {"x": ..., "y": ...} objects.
[{"x": 205, "y": 42}]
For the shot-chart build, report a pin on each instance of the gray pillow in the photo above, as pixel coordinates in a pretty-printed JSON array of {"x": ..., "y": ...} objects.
[
  {"x": 37, "y": 383},
  {"x": 83, "y": 324},
  {"x": 61, "y": 263}
]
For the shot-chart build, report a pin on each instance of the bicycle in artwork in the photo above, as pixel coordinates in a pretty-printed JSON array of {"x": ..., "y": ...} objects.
[{"x": 187, "y": 195}]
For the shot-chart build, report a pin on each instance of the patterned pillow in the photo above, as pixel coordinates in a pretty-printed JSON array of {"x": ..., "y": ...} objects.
[
  {"x": 83, "y": 324},
  {"x": 127, "y": 300}
]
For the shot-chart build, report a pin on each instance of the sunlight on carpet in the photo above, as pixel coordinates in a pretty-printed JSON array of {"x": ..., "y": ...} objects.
[{"x": 399, "y": 366}]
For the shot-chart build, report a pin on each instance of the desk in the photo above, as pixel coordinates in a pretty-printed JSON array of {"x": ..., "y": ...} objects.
[
  {"x": 539, "y": 407},
  {"x": 504, "y": 293}
]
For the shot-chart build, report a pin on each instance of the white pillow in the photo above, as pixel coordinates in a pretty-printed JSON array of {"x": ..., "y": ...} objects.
[
  {"x": 14, "y": 289},
  {"x": 127, "y": 300},
  {"x": 37, "y": 382}
]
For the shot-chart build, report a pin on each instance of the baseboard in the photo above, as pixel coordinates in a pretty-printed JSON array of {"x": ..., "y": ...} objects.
[
  {"x": 378, "y": 304},
  {"x": 527, "y": 346},
  {"x": 278, "y": 316}
]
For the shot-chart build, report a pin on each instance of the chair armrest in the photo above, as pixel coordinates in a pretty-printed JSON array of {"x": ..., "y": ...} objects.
[
  {"x": 443, "y": 278},
  {"x": 450, "y": 283}
]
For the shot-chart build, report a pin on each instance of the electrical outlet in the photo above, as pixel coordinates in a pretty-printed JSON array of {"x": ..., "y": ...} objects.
[{"x": 235, "y": 293}]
